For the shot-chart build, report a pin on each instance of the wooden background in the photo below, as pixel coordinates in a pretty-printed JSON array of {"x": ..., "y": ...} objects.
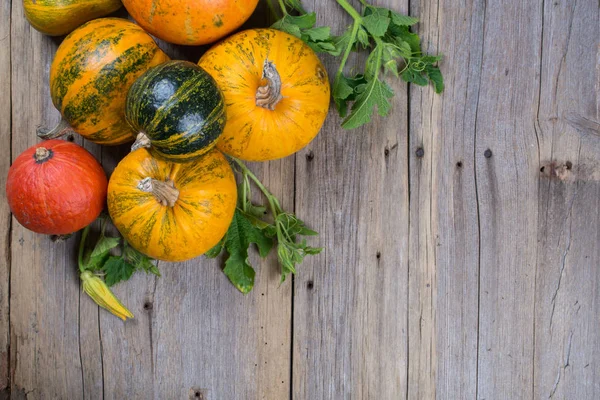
[{"x": 461, "y": 235}]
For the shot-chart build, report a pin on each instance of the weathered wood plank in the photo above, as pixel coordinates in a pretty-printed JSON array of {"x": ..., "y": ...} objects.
[
  {"x": 444, "y": 234},
  {"x": 350, "y": 302},
  {"x": 567, "y": 303},
  {"x": 5, "y": 219},
  {"x": 44, "y": 357},
  {"x": 507, "y": 166}
]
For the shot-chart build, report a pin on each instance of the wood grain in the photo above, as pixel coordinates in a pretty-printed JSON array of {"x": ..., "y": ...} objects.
[
  {"x": 5, "y": 218},
  {"x": 44, "y": 356},
  {"x": 444, "y": 233},
  {"x": 567, "y": 296},
  {"x": 461, "y": 235},
  {"x": 506, "y": 171},
  {"x": 350, "y": 302}
]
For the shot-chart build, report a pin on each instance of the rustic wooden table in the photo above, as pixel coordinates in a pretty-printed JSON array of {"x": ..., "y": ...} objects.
[{"x": 461, "y": 235}]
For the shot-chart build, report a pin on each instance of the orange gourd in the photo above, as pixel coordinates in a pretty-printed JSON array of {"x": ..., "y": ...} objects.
[
  {"x": 56, "y": 187},
  {"x": 276, "y": 91},
  {"x": 190, "y": 22},
  {"x": 172, "y": 211},
  {"x": 90, "y": 76}
]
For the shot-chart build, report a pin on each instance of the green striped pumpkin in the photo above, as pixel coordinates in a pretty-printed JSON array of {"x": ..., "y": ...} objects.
[
  {"x": 90, "y": 75},
  {"x": 178, "y": 110}
]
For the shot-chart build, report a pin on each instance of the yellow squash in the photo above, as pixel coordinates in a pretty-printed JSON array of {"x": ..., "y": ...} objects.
[
  {"x": 276, "y": 91},
  {"x": 59, "y": 17},
  {"x": 172, "y": 211}
]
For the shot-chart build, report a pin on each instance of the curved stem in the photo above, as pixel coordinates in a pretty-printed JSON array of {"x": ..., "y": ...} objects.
[
  {"x": 283, "y": 7},
  {"x": 349, "y": 9},
  {"x": 141, "y": 141},
  {"x": 59, "y": 130},
  {"x": 165, "y": 192},
  {"x": 275, "y": 209},
  {"x": 269, "y": 95}
]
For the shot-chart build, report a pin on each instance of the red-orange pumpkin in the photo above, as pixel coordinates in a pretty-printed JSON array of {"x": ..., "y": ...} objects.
[
  {"x": 56, "y": 188},
  {"x": 190, "y": 22}
]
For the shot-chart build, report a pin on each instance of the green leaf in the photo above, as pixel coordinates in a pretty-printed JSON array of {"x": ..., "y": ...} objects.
[
  {"x": 98, "y": 256},
  {"x": 139, "y": 260},
  {"x": 117, "y": 270},
  {"x": 435, "y": 76},
  {"x": 240, "y": 235},
  {"x": 376, "y": 21},
  {"x": 375, "y": 94},
  {"x": 302, "y": 26},
  {"x": 215, "y": 251},
  {"x": 320, "y": 33},
  {"x": 362, "y": 37},
  {"x": 403, "y": 20},
  {"x": 240, "y": 272},
  {"x": 400, "y": 34},
  {"x": 345, "y": 90}
]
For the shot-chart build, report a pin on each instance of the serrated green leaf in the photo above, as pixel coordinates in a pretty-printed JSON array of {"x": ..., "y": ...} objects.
[
  {"x": 435, "y": 76},
  {"x": 416, "y": 77},
  {"x": 345, "y": 90},
  {"x": 362, "y": 37},
  {"x": 215, "y": 251},
  {"x": 97, "y": 257},
  {"x": 375, "y": 95},
  {"x": 400, "y": 34},
  {"x": 117, "y": 270},
  {"x": 402, "y": 20},
  {"x": 376, "y": 21},
  {"x": 240, "y": 235},
  {"x": 320, "y": 33}
]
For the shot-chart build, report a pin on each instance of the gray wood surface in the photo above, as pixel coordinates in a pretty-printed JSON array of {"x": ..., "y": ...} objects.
[
  {"x": 5, "y": 218},
  {"x": 461, "y": 235}
]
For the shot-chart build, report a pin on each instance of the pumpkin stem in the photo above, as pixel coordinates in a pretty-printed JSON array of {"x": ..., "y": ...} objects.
[
  {"x": 141, "y": 141},
  {"x": 165, "y": 192},
  {"x": 62, "y": 128},
  {"x": 42, "y": 154},
  {"x": 268, "y": 95}
]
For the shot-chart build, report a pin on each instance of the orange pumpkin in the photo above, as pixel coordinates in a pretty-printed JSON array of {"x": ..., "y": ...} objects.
[
  {"x": 90, "y": 76},
  {"x": 56, "y": 187},
  {"x": 190, "y": 22},
  {"x": 172, "y": 211},
  {"x": 276, "y": 91}
]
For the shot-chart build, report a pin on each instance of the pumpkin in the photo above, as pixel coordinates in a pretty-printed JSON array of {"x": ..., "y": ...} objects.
[
  {"x": 190, "y": 22},
  {"x": 56, "y": 187},
  {"x": 172, "y": 211},
  {"x": 178, "y": 110},
  {"x": 276, "y": 91},
  {"x": 59, "y": 17},
  {"x": 90, "y": 75}
]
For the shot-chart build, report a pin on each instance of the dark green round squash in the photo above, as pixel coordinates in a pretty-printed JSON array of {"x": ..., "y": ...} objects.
[{"x": 178, "y": 110}]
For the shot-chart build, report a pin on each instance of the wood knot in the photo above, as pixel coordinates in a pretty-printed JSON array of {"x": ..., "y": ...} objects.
[
  {"x": 148, "y": 306},
  {"x": 310, "y": 285},
  {"x": 420, "y": 152},
  {"x": 310, "y": 156},
  {"x": 554, "y": 170}
]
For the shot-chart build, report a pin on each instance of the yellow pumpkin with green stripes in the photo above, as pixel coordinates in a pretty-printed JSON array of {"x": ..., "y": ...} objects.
[
  {"x": 178, "y": 111},
  {"x": 276, "y": 91},
  {"x": 172, "y": 211},
  {"x": 90, "y": 76},
  {"x": 59, "y": 17}
]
